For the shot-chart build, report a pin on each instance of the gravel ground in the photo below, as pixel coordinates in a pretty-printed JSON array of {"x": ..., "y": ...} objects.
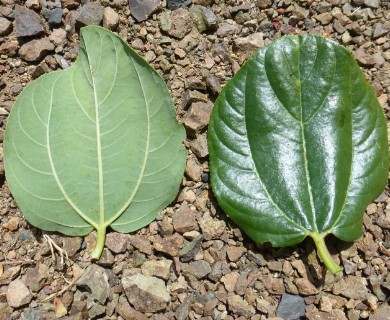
[{"x": 192, "y": 262}]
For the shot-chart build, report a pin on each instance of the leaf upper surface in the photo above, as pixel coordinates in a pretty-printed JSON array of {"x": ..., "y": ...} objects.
[
  {"x": 298, "y": 143},
  {"x": 95, "y": 145}
]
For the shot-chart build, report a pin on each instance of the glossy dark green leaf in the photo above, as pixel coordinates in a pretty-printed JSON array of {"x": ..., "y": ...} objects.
[
  {"x": 298, "y": 144},
  {"x": 96, "y": 145}
]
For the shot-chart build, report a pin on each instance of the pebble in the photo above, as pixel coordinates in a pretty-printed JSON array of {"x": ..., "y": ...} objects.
[
  {"x": 70, "y": 244},
  {"x": 142, "y": 244},
  {"x": 199, "y": 269},
  {"x": 382, "y": 313},
  {"x": 184, "y": 219},
  {"x": 90, "y": 13},
  {"x": 211, "y": 228},
  {"x": 146, "y": 294},
  {"x": 190, "y": 250},
  {"x": 199, "y": 146},
  {"x": 209, "y": 18},
  {"x": 36, "y": 277},
  {"x": 305, "y": 287},
  {"x": 54, "y": 16},
  {"x": 182, "y": 312},
  {"x": 372, "y": 3},
  {"x": 5, "y": 26},
  {"x": 12, "y": 224},
  {"x": 235, "y": 253},
  {"x": 225, "y": 29},
  {"x": 197, "y": 18},
  {"x": 197, "y": 117},
  {"x": 127, "y": 312},
  {"x": 176, "y": 4},
  {"x": 239, "y": 306},
  {"x": 36, "y": 50},
  {"x": 110, "y": 19},
  {"x": 117, "y": 242},
  {"x": 324, "y": 18},
  {"x": 58, "y": 36},
  {"x": 170, "y": 245},
  {"x": 273, "y": 285},
  {"x": 28, "y": 22},
  {"x": 18, "y": 294},
  {"x": 180, "y": 23},
  {"x": 95, "y": 279},
  {"x": 291, "y": 307},
  {"x": 229, "y": 280},
  {"x": 141, "y": 10},
  {"x": 351, "y": 287},
  {"x": 245, "y": 46},
  {"x": 263, "y": 4},
  {"x": 158, "y": 268},
  {"x": 380, "y": 30}
]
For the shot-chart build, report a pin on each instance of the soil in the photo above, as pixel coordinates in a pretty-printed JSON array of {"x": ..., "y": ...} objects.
[{"x": 203, "y": 266}]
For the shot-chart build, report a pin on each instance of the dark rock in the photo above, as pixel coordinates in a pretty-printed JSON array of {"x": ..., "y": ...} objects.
[
  {"x": 36, "y": 277},
  {"x": 106, "y": 259},
  {"x": 27, "y": 22},
  {"x": 142, "y": 9},
  {"x": 291, "y": 307},
  {"x": 209, "y": 18},
  {"x": 96, "y": 310},
  {"x": 127, "y": 312},
  {"x": 218, "y": 270},
  {"x": 95, "y": 279},
  {"x": 146, "y": 294},
  {"x": 182, "y": 312},
  {"x": 90, "y": 14},
  {"x": 190, "y": 250},
  {"x": 213, "y": 84},
  {"x": 54, "y": 16},
  {"x": 380, "y": 30},
  {"x": 5, "y": 26},
  {"x": 176, "y": 4},
  {"x": 36, "y": 50}
]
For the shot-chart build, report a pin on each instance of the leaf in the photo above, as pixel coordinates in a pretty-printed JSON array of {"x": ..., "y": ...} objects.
[
  {"x": 298, "y": 144},
  {"x": 95, "y": 145},
  {"x": 59, "y": 308}
]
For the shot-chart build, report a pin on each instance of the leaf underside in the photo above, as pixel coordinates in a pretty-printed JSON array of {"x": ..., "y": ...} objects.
[
  {"x": 95, "y": 145},
  {"x": 298, "y": 143}
]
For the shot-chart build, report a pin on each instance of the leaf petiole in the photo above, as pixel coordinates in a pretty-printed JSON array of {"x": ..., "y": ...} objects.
[
  {"x": 100, "y": 241},
  {"x": 324, "y": 254}
]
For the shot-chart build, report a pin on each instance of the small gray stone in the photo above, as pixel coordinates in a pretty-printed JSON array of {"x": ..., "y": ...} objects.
[
  {"x": 54, "y": 16},
  {"x": 291, "y": 307},
  {"x": 183, "y": 310},
  {"x": 382, "y": 313},
  {"x": 35, "y": 277},
  {"x": 209, "y": 18},
  {"x": 5, "y": 26},
  {"x": 226, "y": 29},
  {"x": 18, "y": 294},
  {"x": 372, "y": 3},
  {"x": 380, "y": 30},
  {"x": 324, "y": 18},
  {"x": 190, "y": 250},
  {"x": 176, "y": 4},
  {"x": 96, "y": 310},
  {"x": 146, "y": 294},
  {"x": 28, "y": 22},
  {"x": 95, "y": 279},
  {"x": 32, "y": 314},
  {"x": 90, "y": 14},
  {"x": 142, "y": 9}
]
